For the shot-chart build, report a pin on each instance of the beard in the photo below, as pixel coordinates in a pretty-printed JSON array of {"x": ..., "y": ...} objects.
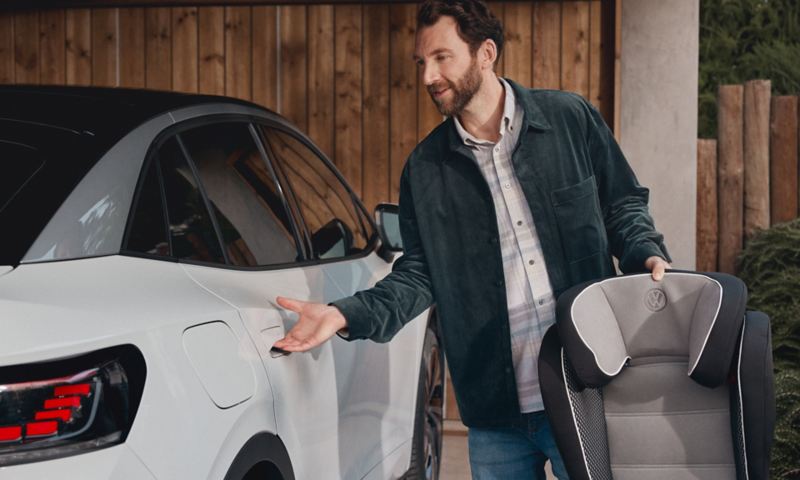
[{"x": 463, "y": 90}]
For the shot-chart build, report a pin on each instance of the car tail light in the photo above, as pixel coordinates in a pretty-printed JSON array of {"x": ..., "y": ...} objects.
[{"x": 69, "y": 406}]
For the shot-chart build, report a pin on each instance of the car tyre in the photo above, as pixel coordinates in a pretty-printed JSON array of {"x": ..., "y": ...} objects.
[{"x": 426, "y": 447}]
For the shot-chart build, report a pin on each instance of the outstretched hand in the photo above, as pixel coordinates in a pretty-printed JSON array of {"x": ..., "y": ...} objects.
[
  {"x": 317, "y": 323},
  {"x": 657, "y": 266}
]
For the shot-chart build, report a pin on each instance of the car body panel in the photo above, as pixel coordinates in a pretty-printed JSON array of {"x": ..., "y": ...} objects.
[
  {"x": 343, "y": 406},
  {"x": 60, "y": 320},
  {"x": 118, "y": 462}
]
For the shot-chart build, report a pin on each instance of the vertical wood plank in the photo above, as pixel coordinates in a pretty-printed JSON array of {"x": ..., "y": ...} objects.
[
  {"x": 547, "y": 45},
  {"x": 575, "y": 48},
  {"x": 293, "y": 66},
  {"x": 52, "y": 38},
  {"x": 498, "y": 9},
  {"x": 158, "y": 45},
  {"x": 26, "y": 47},
  {"x": 595, "y": 53},
  {"x": 519, "y": 42},
  {"x": 265, "y": 56},
  {"x": 238, "y": 52},
  {"x": 784, "y": 161},
  {"x": 731, "y": 175},
  {"x": 131, "y": 47},
  {"x": 321, "y": 77},
  {"x": 376, "y": 105},
  {"x": 6, "y": 48},
  {"x": 104, "y": 47},
  {"x": 211, "y": 50},
  {"x": 402, "y": 92},
  {"x": 348, "y": 77},
  {"x": 607, "y": 62},
  {"x": 79, "y": 46},
  {"x": 184, "y": 49},
  {"x": 707, "y": 211},
  {"x": 756, "y": 155}
]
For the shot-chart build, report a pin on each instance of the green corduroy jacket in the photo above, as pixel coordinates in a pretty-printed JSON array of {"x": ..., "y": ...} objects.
[{"x": 587, "y": 206}]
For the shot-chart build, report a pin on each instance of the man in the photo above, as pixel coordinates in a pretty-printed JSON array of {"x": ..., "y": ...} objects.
[{"x": 517, "y": 196}]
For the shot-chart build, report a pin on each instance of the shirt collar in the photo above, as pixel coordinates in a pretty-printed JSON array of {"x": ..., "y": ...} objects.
[{"x": 509, "y": 109}]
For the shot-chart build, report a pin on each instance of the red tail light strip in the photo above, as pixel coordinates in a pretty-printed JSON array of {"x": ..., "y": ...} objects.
[
  {"x": 10, "y": 434},
  {"x": 62, "y": 402},
  {"x": 66, "y": 390},
  {"x": 64, "y": 415},
  {"x": 41, "y": 429}
]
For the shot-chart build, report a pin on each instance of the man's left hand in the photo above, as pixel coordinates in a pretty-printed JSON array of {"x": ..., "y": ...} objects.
[{"x": 657, "y": 266}]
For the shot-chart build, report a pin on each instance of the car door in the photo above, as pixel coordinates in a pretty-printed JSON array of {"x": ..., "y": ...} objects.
[
  {"x": 263, "y": 256},
  {"x": 376, "y": 383}
]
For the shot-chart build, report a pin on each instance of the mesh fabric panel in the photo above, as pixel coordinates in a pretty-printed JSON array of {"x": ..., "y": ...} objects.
[{"x": 587, "y": 407}]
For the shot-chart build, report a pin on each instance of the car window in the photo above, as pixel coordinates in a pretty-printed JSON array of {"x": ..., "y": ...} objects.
[
  {"x": 148, "y": 229},
  {"x": 246, "y": 201},
  {"x": 192, "y": 233},
  {"x": 326, "y": 205}
]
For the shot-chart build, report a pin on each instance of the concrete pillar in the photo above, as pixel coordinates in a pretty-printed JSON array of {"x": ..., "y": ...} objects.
[{"x": 658, "y": 112}]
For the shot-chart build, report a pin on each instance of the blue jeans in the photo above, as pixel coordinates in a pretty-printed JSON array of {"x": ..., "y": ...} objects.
[{"x": 517, "y": 452}]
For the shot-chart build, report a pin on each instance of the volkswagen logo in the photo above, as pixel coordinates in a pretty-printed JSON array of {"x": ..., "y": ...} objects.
[{"x": 655, "y": 299}]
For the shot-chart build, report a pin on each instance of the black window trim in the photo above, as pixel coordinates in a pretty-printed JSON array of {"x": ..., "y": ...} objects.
[
  {"x": 300, "y": 246},
  {"x": 206, "y": 201},
  {"x": 176, "y": 129},
  {"x": 372, "y": 239}
]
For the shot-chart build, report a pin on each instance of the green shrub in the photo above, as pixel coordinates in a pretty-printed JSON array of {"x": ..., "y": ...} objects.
[
  {"x": 770, "y": 266},
  {"x": 744, "y": 40}
]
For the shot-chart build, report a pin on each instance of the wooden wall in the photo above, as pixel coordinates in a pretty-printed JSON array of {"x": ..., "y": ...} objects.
[{"x": 342, "y": 72}]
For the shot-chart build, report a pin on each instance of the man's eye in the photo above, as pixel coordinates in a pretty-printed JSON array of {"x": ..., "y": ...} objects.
[{"x": 441, "y": 58}]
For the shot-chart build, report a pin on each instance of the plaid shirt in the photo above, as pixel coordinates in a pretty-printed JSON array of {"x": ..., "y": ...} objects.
[{"x": 531, "y": 303}]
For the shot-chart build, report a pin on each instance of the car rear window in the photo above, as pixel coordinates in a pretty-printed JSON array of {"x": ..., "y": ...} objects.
[{"x": 18, "y": 163}]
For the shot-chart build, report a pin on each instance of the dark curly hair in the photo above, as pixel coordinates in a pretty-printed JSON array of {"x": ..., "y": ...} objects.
[{"x": 476, "y": 22}]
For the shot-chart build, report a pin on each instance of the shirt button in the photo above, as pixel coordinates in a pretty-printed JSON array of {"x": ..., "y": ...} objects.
[
  {"x": 541, "y": 301},
  {"x": 507, "y": 185},
  {"x": 497, "y": 149},
  {"x": 531, "y": 262},
  {"x": 519, "y": 222}
]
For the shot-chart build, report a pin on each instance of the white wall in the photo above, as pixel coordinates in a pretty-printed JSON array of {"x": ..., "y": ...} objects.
[{"x": 658, "y": 112}]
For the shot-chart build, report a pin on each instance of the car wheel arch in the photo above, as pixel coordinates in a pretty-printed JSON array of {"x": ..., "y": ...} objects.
[{"x": 261, "y": 448}]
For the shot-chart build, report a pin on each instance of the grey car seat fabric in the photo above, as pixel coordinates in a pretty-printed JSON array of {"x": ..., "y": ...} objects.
[{"x": 660, "y": 380}]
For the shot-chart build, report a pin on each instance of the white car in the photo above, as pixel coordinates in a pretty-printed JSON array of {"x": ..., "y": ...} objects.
[{"x": 145, "y": 236}]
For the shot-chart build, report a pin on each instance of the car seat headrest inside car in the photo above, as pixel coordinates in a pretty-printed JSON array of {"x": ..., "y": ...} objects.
[{"x": 686, "y": 317}]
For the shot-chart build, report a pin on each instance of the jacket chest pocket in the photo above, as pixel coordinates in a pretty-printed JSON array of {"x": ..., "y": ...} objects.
[{"x": 580, "y": 222}]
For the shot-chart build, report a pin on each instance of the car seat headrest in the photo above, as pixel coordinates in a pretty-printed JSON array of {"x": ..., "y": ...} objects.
[{"x": 687, "y": 316}]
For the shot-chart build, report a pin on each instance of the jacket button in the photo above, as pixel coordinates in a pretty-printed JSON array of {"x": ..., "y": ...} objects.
[
  {"x": 493, "y": 240},
  {"x": 508, "y": 369},
  {"x": 499, "y": 283}
]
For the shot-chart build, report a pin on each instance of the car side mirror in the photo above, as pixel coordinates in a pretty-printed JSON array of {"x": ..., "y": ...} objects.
[
  {"x": 333, "y": 240},
  {"x": 387, "y": 216}
]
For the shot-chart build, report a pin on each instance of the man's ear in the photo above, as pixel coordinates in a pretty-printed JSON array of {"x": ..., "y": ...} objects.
[{"x": 487, "y": 54}]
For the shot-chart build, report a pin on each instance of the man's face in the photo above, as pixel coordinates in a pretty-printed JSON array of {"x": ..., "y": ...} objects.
[{"x": 450, "y": 71}]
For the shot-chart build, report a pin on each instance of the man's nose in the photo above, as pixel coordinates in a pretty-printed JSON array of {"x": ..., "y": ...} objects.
[{"x": 430, "y": 74}]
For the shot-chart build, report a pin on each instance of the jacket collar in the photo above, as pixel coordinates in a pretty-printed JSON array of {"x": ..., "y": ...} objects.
[{"x": 533, "y": 117}]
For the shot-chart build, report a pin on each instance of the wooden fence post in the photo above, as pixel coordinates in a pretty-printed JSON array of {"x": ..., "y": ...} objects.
[
  {"x": 783, "y": 142},
  {"x": 707, "y": 223},
  {"x": 756, "y": 155},
  {"x": 731, "y": 169}
]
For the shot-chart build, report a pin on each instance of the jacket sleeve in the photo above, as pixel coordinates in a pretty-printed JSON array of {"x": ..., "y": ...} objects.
[
  {"x": 381, "y": 311},
  {"x": 629, "y": 226}
]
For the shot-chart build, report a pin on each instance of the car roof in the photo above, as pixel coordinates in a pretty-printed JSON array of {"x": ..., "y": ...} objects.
[
  {"x": 106, "y": 113},
  {"x": 69, "y": 128}
]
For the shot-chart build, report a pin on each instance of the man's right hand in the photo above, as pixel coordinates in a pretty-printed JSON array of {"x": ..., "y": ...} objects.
[{"x": 317, "y": 323}]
